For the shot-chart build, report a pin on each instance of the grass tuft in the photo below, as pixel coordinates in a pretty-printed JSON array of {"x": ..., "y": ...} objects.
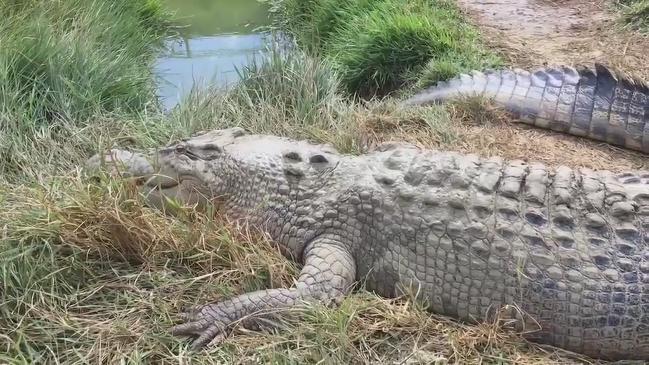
[
  {"x": 293, "y": 94},
  {"x": 68, "y": 65},
  {"x": 379, "y": 46},
  {"x": 85, "y": 268},
  {"x": 635, "y": 13}
]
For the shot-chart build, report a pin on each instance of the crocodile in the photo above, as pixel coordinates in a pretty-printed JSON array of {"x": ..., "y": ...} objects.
[
  {"x": 598, "y": 103},
  {"x": 561, "y": 252}
]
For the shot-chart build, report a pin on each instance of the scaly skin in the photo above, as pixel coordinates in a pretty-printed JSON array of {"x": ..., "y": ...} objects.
[
  {"x": 598, "y": 104},
  {"x": 471, "y": 235}
]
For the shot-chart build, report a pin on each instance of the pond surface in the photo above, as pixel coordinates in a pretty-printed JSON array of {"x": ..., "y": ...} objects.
[{"x": 220, "y": 35}]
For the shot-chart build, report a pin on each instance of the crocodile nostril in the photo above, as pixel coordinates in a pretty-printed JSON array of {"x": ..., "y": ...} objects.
[{"x": 293, "y": 156}]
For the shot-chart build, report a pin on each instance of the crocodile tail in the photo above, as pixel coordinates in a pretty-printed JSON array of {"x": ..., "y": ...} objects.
[{"x": 601, "y": 103}]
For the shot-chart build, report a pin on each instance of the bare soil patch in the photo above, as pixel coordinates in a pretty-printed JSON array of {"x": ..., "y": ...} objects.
[{"x": 535, "y": 33}]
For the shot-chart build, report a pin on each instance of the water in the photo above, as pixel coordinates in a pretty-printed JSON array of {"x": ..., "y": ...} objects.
[{"x": 220, "y": 36}]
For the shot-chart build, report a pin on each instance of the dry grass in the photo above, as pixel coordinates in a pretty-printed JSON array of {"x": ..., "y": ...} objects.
[
  {"x": 477, "y": 126},
  {"x": 109, "y": 271},
  {"x": 489, "y": 131}
]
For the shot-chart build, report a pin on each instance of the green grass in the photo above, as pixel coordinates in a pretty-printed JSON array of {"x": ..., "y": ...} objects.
[
  {"x": 71, "y": 64},
  {"x": 635, "y": 13},
  {"x": 380, "y": 46},
  {"x": 313, "y": 22}
]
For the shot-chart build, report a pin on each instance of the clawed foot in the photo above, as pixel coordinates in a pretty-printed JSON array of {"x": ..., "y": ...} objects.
[
  {"x": 326, "y": 277},
  {"x": 211, "y": 324}
]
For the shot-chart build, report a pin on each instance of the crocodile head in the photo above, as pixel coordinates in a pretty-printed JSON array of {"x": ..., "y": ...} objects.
[
  {"x": 193, "y": 170},
  {"x": 229, "y": 165}
]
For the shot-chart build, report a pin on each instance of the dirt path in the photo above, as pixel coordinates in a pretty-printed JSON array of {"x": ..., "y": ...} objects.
[{"x": 539, "y": 32}]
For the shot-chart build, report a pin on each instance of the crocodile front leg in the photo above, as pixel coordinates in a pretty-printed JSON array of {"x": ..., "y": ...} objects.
[{"x": 327, "y": 276}]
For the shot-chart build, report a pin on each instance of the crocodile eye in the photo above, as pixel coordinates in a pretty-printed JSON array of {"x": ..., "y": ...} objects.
[
  {"x": 318, "y": 159},
  {"x": 180, "y": 148}
]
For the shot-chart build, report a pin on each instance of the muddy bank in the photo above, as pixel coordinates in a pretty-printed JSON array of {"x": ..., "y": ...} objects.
[{"x": 545, "y": 32}]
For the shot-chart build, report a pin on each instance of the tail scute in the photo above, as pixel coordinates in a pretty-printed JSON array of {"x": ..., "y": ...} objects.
[{"x": 599, "y": 102}]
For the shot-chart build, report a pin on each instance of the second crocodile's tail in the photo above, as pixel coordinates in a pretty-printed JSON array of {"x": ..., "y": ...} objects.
[{"x": 600, "y": 104}]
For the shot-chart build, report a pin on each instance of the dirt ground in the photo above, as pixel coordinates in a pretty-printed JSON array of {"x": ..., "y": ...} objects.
[
  {"x": 534, "y": 33},
  {"x": 537, "y": 33}
]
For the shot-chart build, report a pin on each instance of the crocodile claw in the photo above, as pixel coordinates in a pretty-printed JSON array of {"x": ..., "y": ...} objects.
[
  {"x": 210, "y": 323},
  {"x": 211, "y": 336}
]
